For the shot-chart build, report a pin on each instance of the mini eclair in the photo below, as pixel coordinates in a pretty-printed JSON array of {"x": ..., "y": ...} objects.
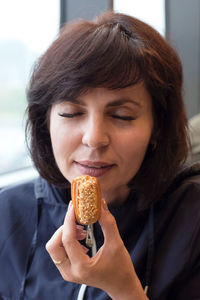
[{"x": 86, "y": 199}]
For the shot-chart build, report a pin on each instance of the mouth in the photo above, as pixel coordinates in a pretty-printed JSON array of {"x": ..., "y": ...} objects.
[{"x": 92, "y": 168}]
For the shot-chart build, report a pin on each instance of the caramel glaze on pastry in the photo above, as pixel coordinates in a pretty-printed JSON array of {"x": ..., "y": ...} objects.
[{"x": 86, "y": 199}]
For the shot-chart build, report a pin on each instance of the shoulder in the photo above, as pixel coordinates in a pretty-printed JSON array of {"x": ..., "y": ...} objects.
[
  {"x": 17, "y": 194},
  {"x": 177, "y": 218},
  {"x": 177, "y": 233},
  {"x": 181, "y": 204},
  {"x": 18, "y": 212},
  {"x": 17, "y": 203},
  {"x": 186, "y": 197},
  {"x": 13, "y": 189},
  {"x": 187, "y": 180}
]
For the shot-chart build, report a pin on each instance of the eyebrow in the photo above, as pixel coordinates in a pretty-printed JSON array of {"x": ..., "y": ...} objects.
[
  {"x": 123, "y": 101},
  {"x": 117, "y": 102}
]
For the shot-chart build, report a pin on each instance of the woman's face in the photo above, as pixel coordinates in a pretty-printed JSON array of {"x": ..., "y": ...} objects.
[{"x": 103, "y": 133}]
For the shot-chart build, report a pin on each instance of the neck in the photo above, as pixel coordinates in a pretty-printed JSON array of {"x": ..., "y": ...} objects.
[{"x": 116, "y": 197}]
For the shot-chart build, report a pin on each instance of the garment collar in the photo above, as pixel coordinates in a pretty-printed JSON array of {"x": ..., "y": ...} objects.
[{"x": 51, "y": 194}]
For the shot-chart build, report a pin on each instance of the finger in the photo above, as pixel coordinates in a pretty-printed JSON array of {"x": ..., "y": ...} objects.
[
  {"x": 108, "y": 224},
  {"x": 55, "y": 247},
  {"x": 85, "y": 249},
  {"x": 81, "y": 233},
  {"x": 79, "y": 227},
  {"x": 72, "y": 246}
]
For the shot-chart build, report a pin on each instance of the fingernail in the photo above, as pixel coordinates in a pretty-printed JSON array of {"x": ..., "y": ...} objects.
[
  {"x": 81, "y": 227},
  {"x": 83, "y": 234}
]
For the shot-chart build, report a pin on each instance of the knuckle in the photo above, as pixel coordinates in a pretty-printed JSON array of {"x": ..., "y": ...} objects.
[
  {"x": 49, "y": 246},
  {"x": 65, "y": 240}
]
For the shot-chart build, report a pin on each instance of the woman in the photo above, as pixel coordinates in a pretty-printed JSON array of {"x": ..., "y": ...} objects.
[{"x": 105, "y": 100}]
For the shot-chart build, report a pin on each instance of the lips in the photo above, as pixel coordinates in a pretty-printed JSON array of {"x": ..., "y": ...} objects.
[{"x": 93, "y": 168}]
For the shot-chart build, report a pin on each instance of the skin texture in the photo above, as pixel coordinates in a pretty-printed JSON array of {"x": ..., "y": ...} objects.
[
  {"x": 96, "y": 133},
  {"x": 107, "y": 133}
]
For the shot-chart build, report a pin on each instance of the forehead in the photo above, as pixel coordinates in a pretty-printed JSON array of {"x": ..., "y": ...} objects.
[{"x": 136, "y": 94}]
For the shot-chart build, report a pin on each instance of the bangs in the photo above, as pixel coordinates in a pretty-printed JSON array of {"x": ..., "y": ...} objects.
[{"x": 103, "y": 56}]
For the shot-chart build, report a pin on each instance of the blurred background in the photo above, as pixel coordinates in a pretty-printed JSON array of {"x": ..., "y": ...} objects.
[{"x": 27, "y": 27}]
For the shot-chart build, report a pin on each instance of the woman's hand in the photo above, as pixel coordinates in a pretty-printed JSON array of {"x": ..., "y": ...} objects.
[{"x": 111, "y": 269}]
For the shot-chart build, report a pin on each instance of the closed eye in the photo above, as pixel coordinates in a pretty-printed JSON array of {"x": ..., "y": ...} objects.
[
  {"x": 73, "y": 115},
  {"x": 124, "y": 118},
  {"x": 66, "y": 115}
]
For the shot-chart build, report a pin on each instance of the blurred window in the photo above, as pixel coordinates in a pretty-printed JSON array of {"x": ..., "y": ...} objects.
[
  {"x": 151, "y": 12},
  {"x": 27, "y": 27}
]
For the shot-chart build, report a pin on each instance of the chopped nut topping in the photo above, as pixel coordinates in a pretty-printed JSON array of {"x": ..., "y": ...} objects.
[{"x": 87, "y": 200}]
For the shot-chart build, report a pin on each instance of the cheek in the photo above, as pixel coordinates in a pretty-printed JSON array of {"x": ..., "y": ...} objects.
[
  {"x": 134, "y": 146},
  {"x": 58, "y": 139},
  {"x": 65, "y": 141},
  {"x": 60, "y": 142}
]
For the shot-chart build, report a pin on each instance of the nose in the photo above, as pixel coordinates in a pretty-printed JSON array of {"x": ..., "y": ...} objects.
[{"x": 95, "y": 133}]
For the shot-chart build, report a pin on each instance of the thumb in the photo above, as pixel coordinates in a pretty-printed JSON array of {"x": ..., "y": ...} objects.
[{"x": 108, "y": 223}]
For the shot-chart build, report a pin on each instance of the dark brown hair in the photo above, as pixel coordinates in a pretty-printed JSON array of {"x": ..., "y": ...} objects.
[{"x": 114, "y": 51}]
